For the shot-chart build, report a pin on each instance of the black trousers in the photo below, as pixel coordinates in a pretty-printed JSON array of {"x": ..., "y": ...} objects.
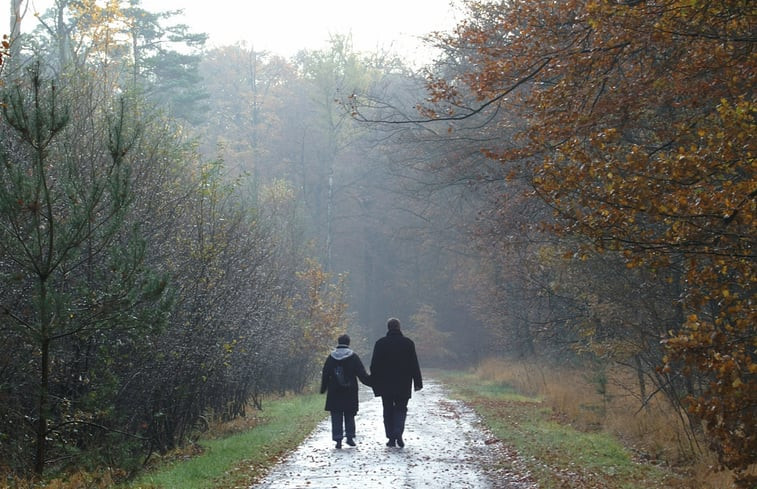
[
  {"x": 395, "y": 413},
  {"x": 342, "y": 423}
]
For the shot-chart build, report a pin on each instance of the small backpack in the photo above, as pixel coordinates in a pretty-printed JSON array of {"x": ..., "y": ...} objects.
[{"x": 341, "y": 377}]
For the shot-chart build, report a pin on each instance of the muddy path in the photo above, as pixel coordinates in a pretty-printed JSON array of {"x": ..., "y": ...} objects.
[{"x": 446, "y": 447}]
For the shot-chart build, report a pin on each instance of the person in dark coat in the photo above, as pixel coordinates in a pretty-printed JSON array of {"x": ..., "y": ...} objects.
[
  {"x": 342, "y": 400},
  {"x": 394, "y": 373}
]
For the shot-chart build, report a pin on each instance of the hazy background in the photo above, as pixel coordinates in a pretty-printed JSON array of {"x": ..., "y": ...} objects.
[{"x": 286, "y": 26}]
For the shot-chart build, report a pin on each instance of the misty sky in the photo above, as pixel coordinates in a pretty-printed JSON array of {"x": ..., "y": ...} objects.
[{"x": 285, "y": 26}]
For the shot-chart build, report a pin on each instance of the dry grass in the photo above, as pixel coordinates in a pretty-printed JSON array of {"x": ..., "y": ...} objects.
[
  {"x": 219, "y": 429},
  {"x": 609, "y": 401}
]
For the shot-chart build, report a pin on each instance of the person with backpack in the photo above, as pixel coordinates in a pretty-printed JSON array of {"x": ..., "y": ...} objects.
[{"x": 339, "y": 380}]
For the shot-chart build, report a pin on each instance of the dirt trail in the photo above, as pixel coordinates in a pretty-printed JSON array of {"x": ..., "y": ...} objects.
[{"x": 445, "y": 448}]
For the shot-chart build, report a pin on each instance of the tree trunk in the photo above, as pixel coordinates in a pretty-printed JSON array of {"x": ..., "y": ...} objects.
[
  {"x": 44, "y": 382},
  {"x": 18, "y": 9},
  {"x": 39, "y": 462}
]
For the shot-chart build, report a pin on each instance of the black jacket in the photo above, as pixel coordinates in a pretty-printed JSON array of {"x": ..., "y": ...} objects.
[
  {"x": 340, "y": 398},
  {"x": 394, "y": 366}
]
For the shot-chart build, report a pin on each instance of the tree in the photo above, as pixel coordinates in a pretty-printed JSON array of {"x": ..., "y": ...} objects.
[
  {"x": 130, "y": 47},
  {"x": 433, "y": 346},
  {"x": 75, "y": 270},
  {"x": 328, "y": 77},
  {"x": 319, "y": 315},
  {"x": 165, "y": 61},
  {"x": 248, "y": 90},
  {"x": 18, "y": 10},
  {"x": 634, "y": 124}
]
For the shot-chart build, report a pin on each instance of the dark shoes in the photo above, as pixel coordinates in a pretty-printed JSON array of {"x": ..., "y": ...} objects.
[
  {"x": 350, "y": 442},
  {"x": 396, "y": 442}
]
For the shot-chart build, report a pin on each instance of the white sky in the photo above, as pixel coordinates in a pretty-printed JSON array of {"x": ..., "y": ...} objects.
[{"x": 286, "y": 26}]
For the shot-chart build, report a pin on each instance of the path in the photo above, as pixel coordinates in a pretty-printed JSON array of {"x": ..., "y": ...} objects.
[{"x": 444, "y": 448}]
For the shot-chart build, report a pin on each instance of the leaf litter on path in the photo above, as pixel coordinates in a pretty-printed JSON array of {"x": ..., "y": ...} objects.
[{"x": 446, "y": 446}]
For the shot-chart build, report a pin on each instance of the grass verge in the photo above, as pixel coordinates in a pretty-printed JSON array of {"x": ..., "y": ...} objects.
[
  {"x": 240, "y": 459},
  {"x": 555, "y": 453}
]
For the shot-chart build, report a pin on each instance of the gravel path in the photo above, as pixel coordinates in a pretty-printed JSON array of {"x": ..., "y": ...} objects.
[{"x": 444, "y": 448}]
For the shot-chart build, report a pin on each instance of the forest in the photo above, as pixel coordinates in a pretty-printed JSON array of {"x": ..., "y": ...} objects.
[{"x": 185, "y": 230}]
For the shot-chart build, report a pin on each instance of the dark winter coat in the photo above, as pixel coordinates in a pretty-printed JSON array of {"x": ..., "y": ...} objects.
[
  {"x": 340, "y": 398},
  {"x": 394, "y": 366}
]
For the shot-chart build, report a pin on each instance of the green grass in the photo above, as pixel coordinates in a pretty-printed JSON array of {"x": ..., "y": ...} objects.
[
  {"x": 556, "y": 454},
  {"x": 241, "y": 458}
]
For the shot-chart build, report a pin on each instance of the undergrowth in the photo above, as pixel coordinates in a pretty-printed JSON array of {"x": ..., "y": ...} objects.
[
  {"x": 580, "y": 429},
  {"x": 229, "y": 455},
  {"x": 242, "y": 458}
]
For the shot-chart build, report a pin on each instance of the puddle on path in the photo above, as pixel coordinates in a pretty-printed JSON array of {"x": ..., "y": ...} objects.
[{"x": 444, "y": 449}]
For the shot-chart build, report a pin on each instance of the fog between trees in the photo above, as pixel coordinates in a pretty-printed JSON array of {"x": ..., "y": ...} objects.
[{"x": 185, "y": 230}]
